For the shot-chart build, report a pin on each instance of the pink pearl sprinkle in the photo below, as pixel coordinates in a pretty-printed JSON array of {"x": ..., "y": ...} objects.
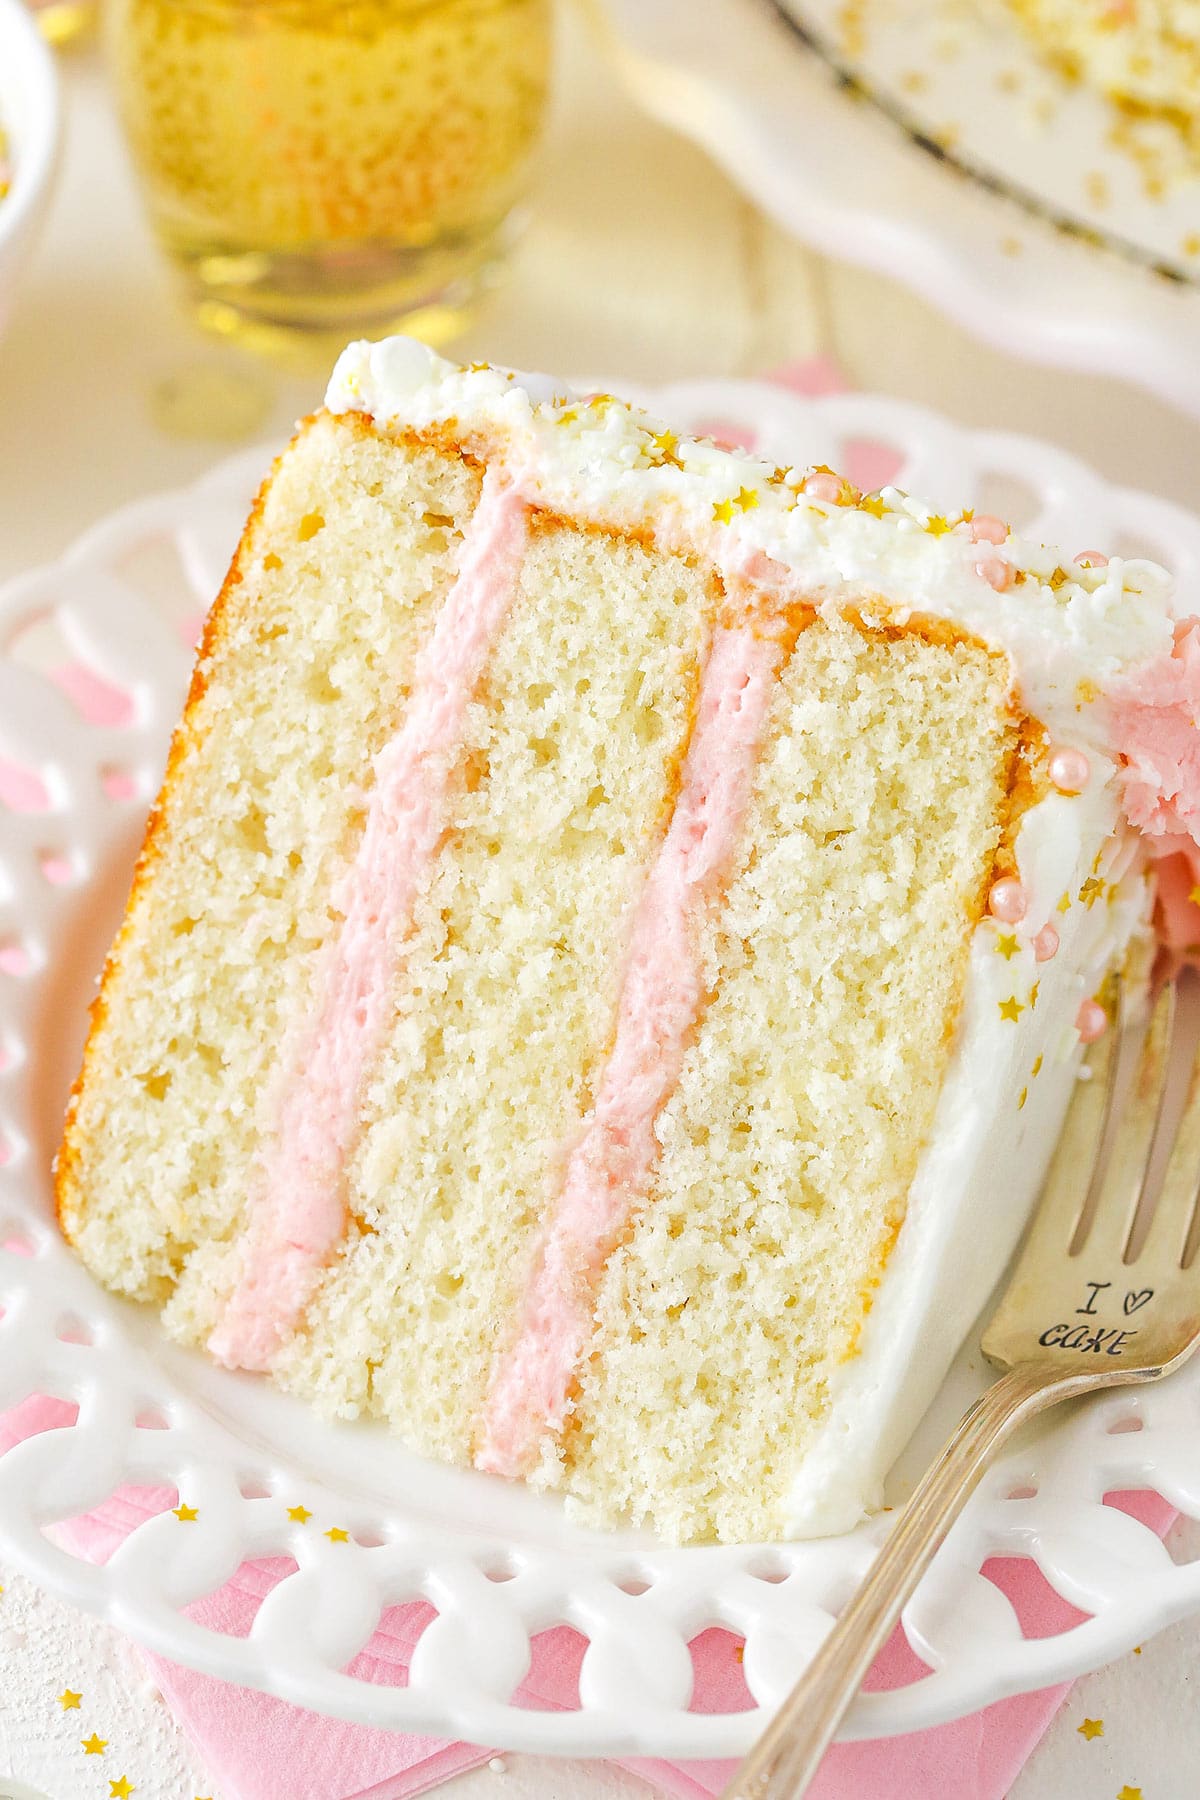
[
  {"x": 824, "y": 487},
  {"x": 1045, "y": 944},
  {"x": 1006, "y": 902},
  {"x": 1092, "y": 559},
  {"x": 1069, "y": 771},
  {"x": 1091, "y": 1021},
  {"x": 986, "y": 528},
  {"x": 996, "y": 572}
]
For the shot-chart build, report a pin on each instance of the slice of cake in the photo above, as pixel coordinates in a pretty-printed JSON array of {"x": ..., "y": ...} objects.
[{"x": 609, "y": 960}]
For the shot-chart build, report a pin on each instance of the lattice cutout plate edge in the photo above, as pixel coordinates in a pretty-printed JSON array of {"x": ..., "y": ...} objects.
[{"x": 496, "y": 1573}]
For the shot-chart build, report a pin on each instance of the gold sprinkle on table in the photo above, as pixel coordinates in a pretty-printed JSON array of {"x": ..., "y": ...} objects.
[
  {"x": 1011, "y": 1009},
  {"x": 94, "y": 1746},
  {"x": 1037, "y": 1067},
  {"x": 1091, "y": 1728},
  {"x": 300, "y": 1514},
  {"x": 1022, "y": 1097},
  {"x": 336, "y": 1535},
  {"x": 69, "y": 1700},
  {"x": 1130, "y": 1793},
  {"x": 120, "y": 1790},
  {"x": 1006, "y": 945},
  {"x": 185, "y": 1514}
]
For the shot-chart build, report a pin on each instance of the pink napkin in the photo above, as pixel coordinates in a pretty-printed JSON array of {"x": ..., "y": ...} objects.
[{"x": 257, "y": 1748}]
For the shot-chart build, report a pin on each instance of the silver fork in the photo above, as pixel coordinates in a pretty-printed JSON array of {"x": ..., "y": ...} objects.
[{"x": 1103, "y": 1295}]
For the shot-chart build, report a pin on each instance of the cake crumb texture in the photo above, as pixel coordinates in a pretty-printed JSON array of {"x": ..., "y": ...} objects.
[
  {"x": 300, "y": 680},
  {"x": 789, "y": 1145},
  {"x": 507, "y": 989}
]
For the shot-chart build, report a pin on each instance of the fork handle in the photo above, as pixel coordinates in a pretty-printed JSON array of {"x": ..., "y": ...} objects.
[{"x": 786, "y": 1757}]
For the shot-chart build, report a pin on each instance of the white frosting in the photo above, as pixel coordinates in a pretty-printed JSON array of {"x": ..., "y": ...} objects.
[
  {"x": 1068, "y": 633},
  {"x": 595, "y": 459}
]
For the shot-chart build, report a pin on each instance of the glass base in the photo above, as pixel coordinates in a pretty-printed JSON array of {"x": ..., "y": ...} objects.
[{"x": 300, "y": 308}]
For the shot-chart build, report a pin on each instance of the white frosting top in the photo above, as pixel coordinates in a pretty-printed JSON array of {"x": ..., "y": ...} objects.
[{"x": 1068, "y": 630}]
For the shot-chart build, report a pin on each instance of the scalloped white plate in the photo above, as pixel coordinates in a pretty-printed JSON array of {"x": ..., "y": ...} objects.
[
  {"x": 852, "y": 173},
  {"x": 495, "y": 1563}
]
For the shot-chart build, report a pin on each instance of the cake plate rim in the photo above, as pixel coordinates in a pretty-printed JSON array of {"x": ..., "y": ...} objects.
[
  {"x": 153, "y": 1415},
  {"x": 770, "y": 110}
]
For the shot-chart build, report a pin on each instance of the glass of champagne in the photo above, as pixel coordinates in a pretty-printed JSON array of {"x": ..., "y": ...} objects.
[{"x": 323, "y": 169}]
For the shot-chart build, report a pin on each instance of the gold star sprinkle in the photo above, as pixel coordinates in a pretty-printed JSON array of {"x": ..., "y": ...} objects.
[
  {"x": 1091, "y": 1728},
  {"x": 1037, "y": 1067},
  {"x": 778, "y": 477},
  {"x": 1033, "y": 994},
  {"x": 723, "y": 511},
  {"x": 1091, "y": 891},
  {"x": 1064, "y": 904},
  {"x": 1022, "y": 1097},
  {"x": 1006, "y": 945},
  {"x": 69, "y": 1701},
  {"x": 666, "y": 447},
  {"x": 1058, "y": 580},
  {"x": 301, "y": 1514},
  {"x": 746, "y": 499},
  {"x": 873, "y": 504},
  {"x": 1130, "y": 1793},
  {"x": 1011, "y": 1009},
  {"x": 478, "y": 368},
  {"x": 936, "y": 525},
  {"x": 120, "y": 1790},
  {"x": 1194, "y": 896},
  {"x": 1191, "y": 244},
  {"x": 95, "y": 1746},
  {"x": 185, "y": 1514},
  {"x": 336, "y": 1535}
]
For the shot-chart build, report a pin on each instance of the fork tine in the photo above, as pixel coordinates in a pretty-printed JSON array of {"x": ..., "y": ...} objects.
[
  {"x": 1064, "y": 1207},
  {"x": 1173, "y": 1172},
  {"x": 1127, "y": 1151}
]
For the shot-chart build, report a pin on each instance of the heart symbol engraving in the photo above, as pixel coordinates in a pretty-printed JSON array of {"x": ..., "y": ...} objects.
[{"x": 1133, "y": 1301}]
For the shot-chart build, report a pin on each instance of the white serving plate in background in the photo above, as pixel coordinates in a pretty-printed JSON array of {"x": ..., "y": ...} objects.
[
  {"x": 841, "y": 170},
  {"x": 496, "y": 1563}
]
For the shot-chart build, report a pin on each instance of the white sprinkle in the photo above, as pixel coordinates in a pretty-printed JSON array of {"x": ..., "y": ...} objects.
[{"x": 498, "y": 1766}]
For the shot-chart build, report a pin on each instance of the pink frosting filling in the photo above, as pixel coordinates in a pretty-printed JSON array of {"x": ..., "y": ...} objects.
[
  {"x": 1155, "y": 715},
  {"x": 660, "y": 998},
  {"x": 299, "y": 1214}
]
